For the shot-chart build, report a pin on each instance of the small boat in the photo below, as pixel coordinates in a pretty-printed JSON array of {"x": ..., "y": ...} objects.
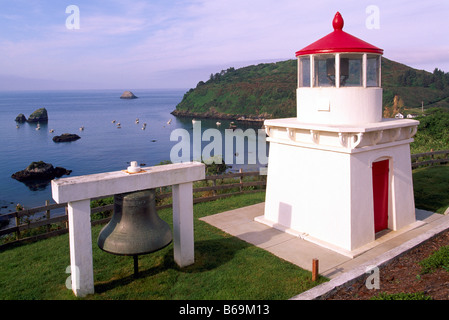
[
  {"x": 137, "y": 120},
  {"x": 81, "y": 128},
  {"x": 193, "y": 120},
  {"x": 38, "y": 127},
  {"x": 169, "y": 121},
  {"x": 51, "y": 130},
  {"x": 218, "y": 123},
  {"x": 113, "y": 121}
]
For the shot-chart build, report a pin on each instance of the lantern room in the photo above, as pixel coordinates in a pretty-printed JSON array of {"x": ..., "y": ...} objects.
[{"x": 337, "y": 76}]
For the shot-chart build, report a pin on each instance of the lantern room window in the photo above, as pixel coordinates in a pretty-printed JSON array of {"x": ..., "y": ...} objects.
[
  {"x": 339, "y": 70},
  {"x": 304, "y": 71},
  {"x": 351, "y": 70},
  {"x": 324, "y": 70},
  {"x": 373, "y": 70}
]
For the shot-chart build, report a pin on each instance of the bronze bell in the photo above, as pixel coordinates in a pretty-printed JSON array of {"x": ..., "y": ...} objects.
[{"x": 135, "y": 227}]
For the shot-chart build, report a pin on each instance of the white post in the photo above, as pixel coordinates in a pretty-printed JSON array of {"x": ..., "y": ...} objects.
[
  {"x": 312, "y": 70},
  {"x": 364, "y": 70},
  {"x": 80, "y": 237},
  {"x": 183, "y": 242},
  {"x": 337, "y": 70}
]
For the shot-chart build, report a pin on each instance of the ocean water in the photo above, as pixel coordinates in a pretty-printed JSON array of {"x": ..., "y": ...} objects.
[{"x": 103, "y": 146}]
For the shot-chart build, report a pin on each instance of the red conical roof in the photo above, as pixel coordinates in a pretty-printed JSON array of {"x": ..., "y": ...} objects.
[{"x": 338, "y": 41}]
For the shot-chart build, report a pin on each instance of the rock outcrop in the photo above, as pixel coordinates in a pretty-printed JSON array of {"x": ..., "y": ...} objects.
[
  {"x": 40, "y": 115},
  {"x": 128, "y": 95},
  {"x": 66, "y": 137},
  {"x": 21, "y": 118},
  {"x": 40, "y": 171}
]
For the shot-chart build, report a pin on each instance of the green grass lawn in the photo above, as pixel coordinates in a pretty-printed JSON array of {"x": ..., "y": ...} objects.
[
  {"x": 431, "y": 187},
  {"x": 225, "y": 267}
]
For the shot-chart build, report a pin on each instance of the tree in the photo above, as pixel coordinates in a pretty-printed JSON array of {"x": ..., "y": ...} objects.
[
  {"x": 392, "y": 110},
  {"x": 398, "y": 105}
]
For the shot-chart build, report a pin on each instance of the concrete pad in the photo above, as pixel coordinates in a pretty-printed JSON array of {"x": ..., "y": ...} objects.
[
  {"x": 300, "y": 250},
  {"x": 240, "y": 223}
]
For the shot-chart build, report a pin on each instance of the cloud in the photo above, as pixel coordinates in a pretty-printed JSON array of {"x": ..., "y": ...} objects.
[
  {"x": 207, "y": 32},
  {"x": 106, "y": 25},
  {"x": 121, "y": 42}
]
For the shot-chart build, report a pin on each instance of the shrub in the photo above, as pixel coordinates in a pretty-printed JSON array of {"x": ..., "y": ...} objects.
[
  {"x": 401, "y": 296},
  {"x": 439, "y": 259}
]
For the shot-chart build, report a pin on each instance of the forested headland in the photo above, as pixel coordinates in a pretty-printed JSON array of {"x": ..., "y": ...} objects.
[{"x": 268, "y": 90}]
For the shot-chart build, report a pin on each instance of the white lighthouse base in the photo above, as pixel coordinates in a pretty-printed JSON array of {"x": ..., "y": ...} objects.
[{"x": 320, "y": 183}]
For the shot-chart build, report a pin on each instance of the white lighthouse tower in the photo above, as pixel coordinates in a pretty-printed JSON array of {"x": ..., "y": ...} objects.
[{"x": 339, "y": 173}]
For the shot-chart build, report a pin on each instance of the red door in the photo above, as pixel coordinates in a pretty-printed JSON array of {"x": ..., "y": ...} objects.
[{"x": 380, "y": 194}]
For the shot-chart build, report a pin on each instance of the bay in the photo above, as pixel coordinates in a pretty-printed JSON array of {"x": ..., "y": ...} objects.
[{"x": 103, "y": 146}]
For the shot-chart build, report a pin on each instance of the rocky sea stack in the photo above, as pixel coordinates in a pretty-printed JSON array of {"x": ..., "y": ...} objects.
[
  {"x": 66, "y": 137},
  {"x": 128, "y": 95},
  {"x": 21, "y": 118},
  {"x": 40, "y": 171},
  {"x": 40, "y": 115}
]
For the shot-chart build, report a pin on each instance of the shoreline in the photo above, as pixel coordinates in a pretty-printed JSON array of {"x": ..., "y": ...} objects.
[{"x": 258, "y": 120}]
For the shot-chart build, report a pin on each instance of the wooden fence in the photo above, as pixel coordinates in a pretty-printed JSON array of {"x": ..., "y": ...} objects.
[
  {"x": 430, "y": 158},
  {"x": 29, "y": 228},
  {"x": 211, "y": 188}
]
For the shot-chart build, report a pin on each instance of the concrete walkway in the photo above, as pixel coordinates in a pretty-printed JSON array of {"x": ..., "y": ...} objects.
[{"x": 340, "y": 267}]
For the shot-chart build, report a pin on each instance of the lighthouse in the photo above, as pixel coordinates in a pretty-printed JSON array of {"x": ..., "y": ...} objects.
[{"x": 339, "y": 174}]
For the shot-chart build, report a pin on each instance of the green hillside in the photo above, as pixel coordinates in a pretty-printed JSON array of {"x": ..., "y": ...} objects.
[{"x": 268, "y": 90}]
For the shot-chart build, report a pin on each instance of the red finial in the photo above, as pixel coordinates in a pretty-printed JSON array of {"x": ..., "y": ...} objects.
[{"x": 338, "y": 22}]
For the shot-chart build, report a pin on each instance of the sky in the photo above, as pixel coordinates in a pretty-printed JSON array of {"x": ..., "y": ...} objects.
[{"x": 136, "y": 44}]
